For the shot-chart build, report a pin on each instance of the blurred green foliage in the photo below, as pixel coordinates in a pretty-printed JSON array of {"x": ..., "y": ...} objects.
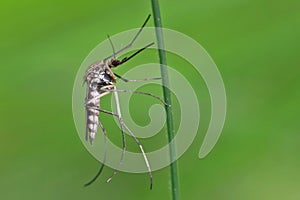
[{"x": 255, "y": 45}]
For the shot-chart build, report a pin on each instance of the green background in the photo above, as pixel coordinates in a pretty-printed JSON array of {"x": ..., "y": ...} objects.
[{"x": 256, "y": 47}]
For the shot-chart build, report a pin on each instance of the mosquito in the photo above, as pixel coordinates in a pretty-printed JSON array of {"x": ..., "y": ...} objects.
[{"x": 100, "y": 80}]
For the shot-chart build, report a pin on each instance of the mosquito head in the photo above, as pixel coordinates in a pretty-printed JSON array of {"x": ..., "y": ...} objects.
[{"x": 114, "y": 63}]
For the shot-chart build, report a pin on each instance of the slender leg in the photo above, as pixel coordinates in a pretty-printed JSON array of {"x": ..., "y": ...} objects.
[
  {"x": 132, "y": 41},
  {"x": 144, "y": 93},
  {"x": 122, "y": 124},
  {"x": 104, "y": 158},
  {"x": 102, "y": 94},
  {"x": 96, "y": 97},
  {"x": 105, "y": 138},
  {"x": 143, "y": 152},
  {"x": 132, "y": 135},
  {"x": 135, "y": 80},
  {"x": 107, "y": 112},
  {"x": 135, "y": 138},
  {"x": 123, "y": 141},
  {"x": 123, "y": 151},
  {"x": 107, "y": 91},
  {"x": 123, "y": 137}
]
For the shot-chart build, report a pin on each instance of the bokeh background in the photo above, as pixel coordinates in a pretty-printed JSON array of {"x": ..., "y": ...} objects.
[{"x": 255, "y": 45}]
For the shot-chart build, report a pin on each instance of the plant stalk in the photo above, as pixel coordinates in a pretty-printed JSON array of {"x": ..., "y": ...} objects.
[{"x": 167, "y": 97}]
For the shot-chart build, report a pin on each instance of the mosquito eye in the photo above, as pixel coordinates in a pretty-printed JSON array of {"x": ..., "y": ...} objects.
[{"x": 115, "y": 63}]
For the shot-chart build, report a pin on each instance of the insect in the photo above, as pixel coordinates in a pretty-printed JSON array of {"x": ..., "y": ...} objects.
[{"x": 100, "y": 80}]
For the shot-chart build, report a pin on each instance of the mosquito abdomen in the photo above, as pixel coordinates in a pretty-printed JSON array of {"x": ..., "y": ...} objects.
[{"x": 92, "y": 114}]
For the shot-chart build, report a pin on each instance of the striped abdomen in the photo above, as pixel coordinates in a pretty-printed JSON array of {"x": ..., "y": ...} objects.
[{"x": 92, "y": 113}]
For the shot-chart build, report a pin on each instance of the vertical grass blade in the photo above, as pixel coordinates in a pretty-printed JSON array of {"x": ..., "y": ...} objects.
[{"x": 167, "y": 97}]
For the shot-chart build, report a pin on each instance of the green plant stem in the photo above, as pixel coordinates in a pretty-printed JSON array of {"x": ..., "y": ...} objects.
[{"x": 167, "y": 97}]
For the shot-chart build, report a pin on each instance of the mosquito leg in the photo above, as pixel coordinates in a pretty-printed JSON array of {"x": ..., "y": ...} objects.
[
  {"x": 135, "y": 138},
  {"x": 123, "y": 125},
  {"x": 136, "y": 80},
  {"x": 132, "y": 41},
  {"x": 144, "y": 93},
  {"x": 107, "y": 91},
  {"x": 100, "y": 95},
  {"x": 107, "y": 112},
  {"x": 123, "y": 137},
  {"x": 123, "y": 151},
  {"x": 123, "y": 141},
  {"x": 143, "y": 152},
  {"x": 96, "y": 97},
  {"x": 104, "y": 158}
]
